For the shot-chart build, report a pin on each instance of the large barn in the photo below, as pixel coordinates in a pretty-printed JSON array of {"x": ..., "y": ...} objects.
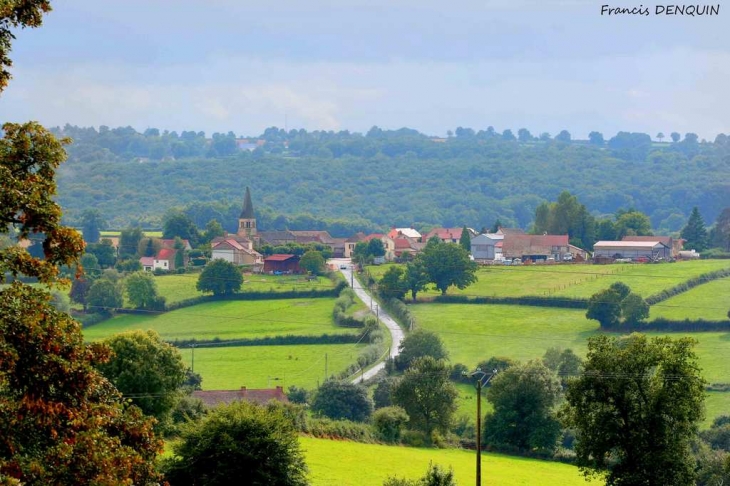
[{"x": 631, "y": 249}]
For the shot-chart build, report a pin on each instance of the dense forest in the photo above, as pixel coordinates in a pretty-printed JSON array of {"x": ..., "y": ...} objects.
[{"x": 346, "y": 182}]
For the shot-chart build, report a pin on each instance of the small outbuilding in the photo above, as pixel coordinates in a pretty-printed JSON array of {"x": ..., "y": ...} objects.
[
  {"x": 285, "y": 263},
  {"x": 653, "y": 250}
]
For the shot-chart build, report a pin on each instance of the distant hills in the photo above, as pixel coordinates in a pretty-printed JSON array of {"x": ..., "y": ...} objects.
[{"x": 346, "y": 182}]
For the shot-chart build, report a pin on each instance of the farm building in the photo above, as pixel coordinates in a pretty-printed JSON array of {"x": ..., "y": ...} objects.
[
  {"x": 213, "y": 398},
  {"x": 236, "y": 250},
  {"x": 484, "y": 246},
  {"x": 631, "y": 249},
  {"x": 281, "y": 263},
  {"x": 535, "y": 247},
  {"x": 674, "y": 244}
]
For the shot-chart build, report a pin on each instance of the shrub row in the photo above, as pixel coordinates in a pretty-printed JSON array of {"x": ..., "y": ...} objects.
[
  {"x": 689, "y": 284},
  {"x": 715, "y": 253},
  {"x": 339, "y": 313},
  {"x": 367, "y": 356},
  {"x": 400, "y": 312},
  {"x": 669, "y": 325},
  {"x": 340, "y": 429},
  {"x": 563, "y": 302},
  {"x": 288, "y": 339},
  {"x": 88, "y": 320}
]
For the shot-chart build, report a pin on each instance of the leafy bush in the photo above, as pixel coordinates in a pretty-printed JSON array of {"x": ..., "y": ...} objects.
[{"x": 389, "y": 421}]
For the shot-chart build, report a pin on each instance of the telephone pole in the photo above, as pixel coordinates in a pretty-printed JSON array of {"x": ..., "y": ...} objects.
[{"x": 480, "y": 380}]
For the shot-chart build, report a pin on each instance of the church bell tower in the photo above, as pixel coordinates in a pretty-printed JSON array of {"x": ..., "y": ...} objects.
[{"x": 247, "y": 220}]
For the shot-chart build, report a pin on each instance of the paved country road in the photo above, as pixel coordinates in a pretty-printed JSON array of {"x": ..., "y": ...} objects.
[{"x": 395, "y": 331}]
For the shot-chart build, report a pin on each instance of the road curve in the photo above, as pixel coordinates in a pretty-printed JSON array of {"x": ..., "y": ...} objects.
[{"x": 395, "y": 330}]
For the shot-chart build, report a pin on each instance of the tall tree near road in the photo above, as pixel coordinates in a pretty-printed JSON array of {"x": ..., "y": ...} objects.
[
  {"x": 636, "y": 409},
  {"x": 415, "y": 277}
]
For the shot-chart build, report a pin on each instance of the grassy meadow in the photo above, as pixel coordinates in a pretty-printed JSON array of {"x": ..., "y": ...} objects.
[
  {"x": 708, "y": 301},
  {"x": 229, "y": 368},
  {"x": 370, "y": 464},
  {"x": 475, "y": 332},
  {"x": 176, "y": 287},
  {"x": 576, "y": 280},
  {"x": 230, "y": 320}
]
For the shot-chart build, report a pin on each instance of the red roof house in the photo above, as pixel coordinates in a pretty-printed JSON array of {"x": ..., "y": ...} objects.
[{"x": 284, "y": 263}]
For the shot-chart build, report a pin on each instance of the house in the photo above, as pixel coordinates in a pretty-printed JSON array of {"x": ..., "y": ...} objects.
[
  {"x": 534, "y": 247},
  {"x": 405, "y": 233},
  {"x": 578, "y": 254},
  {"x": 675, "y": 245},
  {"x": 447, "y": 235},
  {"x": 236, "y": 250},
  {"x": 170, "y": 243},
  {"x": 403, "y": 245},
  {"x": 631, "y": 249},
  {"x": 484, "y": 246},
  {"x": 281, "y": 264},
  {"x": 351, "y": 242},
  {"x": 213, "y": 398},
  {"x": 164, "y": 260}
]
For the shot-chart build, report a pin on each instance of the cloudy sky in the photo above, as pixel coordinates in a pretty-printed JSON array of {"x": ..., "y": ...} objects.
[{"x": 223, "y": 65}]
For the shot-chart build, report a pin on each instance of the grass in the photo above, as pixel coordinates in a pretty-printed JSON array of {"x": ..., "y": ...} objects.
[
  {"x": 475, "y": 332},
  {"x": 230, "y": 320},
  {"x": 229, "y": 368},
  {"x": 180, "y": 287},
  {"x": 716, "y": 404},
  {"x": 351, "y": 463},
  {"x": 576, "y": 280},
  {"x": 707, "y": 301}
]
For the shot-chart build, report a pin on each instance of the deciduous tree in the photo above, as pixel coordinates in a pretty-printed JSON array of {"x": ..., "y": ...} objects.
[
  {"x": 427, "y": 395},
  {"x": 392, "y": 284},
  {"x": 523, "y": 397},
  {"x": 146, "y": 369},
  {"x": 142, "y": 290},
  {"x": 415, "y": 277},
  {"x": 220, "y": 277},
  {"x": 105, "y": 295},
  {"x": 238, "y": 442},
  {"x": 448, "y": 265},
  {"x": 342, "y": 400},
  {"x": 91, "y": 225},
  {"x": 635, "y": 410},
  {"x": 417, "y": 344},
  {"x": 313, "y": 262}
]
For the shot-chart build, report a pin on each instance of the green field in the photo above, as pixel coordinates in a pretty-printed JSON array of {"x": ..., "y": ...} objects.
[
  {"x": 716, "y": 404},
  {"x": 350, "y": 463},
  {"x": 578, "y": 280},
  {"x": 475, "y": 332},
  {"x": 707, "y": 301},
  {"x": 229, "y": 368},
  {"x": 230, "y": 320},
  {"x": 180, "y": 287}
]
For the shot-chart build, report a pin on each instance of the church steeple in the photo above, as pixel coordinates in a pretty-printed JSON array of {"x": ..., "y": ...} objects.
[{"x": 247, "y": 219}]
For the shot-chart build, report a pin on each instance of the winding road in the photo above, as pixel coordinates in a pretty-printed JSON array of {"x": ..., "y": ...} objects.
[{"x": 395, "y": 331}]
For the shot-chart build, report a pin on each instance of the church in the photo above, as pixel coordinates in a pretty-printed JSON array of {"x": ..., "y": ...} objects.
[{"x": 239, "y": 248}]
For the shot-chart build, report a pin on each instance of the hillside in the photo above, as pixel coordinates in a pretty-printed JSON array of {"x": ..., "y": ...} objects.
[{"x": 403, "y": 181}]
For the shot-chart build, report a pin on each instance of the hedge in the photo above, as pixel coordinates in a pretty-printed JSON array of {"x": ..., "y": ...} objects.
[
  {"x": 286, "y": 340},
  {"x": 687, "y": 285},
  {"x": 669, "y": 325},
  {"x": 562, "y": 302}
]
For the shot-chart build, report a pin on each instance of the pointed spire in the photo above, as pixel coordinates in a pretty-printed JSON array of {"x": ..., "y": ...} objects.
[{"x": 247, "y": 211}]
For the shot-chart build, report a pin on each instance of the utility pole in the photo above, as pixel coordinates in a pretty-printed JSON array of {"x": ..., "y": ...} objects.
[
  {"x": 192, "y": 360},
  {"x": 480, "y": 380}
]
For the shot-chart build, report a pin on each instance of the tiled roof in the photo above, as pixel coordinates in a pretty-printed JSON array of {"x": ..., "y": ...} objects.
[
  {"x": 166, "y": 254},
  {"x": 279, "y": 258},
  {"x": 147, "y": 261},
  {"x": 373, "y": 236},
  {"x": 170, "y": 243},
  {"x": 444, "y": 233},
  {"x": 409, "y": 232},
  {"x": 212, "y": 398},
  {"x": 402, "y": 243}
]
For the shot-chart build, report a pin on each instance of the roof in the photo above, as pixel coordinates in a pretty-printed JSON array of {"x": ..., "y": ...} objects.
[
  {"x": 374, "y": 236},
  {"x": 166, "y": 254},
  {"x": 409, "y": 232},
  {"x": 241, "y": 240},
  {"x": 213, "y": 398},
  {"x": 170, "y": 243},
  {"x": 402, "y": 243},
  {"x": 316, "y": 235},
  {"x": 276, "y": 236},
  {"x": 628, "y": 244},
  {"x": 359, "y": 236},
  {"x": 279, "y": 258},
  {"x": 665, "y": 240},
  {"x": 247, "y": 211},
  {"x": 445, "y": 233},
  {"x": 518, "y": 245},
  {"x": 147, "y": 261}
]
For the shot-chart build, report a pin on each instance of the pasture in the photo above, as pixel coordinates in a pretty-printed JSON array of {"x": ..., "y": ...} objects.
[
  {"x": 176, "y": 287},
  {"x": 370, "y": 464},
  {"x": 229, "y": 368},
  {"x": 709, "y": 301},
  {"x": 230, "y": 320},
  {"x": 576, "y": 280},
  {"x": 475, "y": 332}
]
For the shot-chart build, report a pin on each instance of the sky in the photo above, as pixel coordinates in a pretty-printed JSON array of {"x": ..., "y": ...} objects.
[{"x": 235, "y": 65}]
